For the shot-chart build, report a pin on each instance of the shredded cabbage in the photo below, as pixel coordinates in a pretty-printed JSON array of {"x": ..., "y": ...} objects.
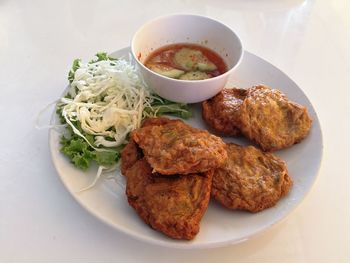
[{"x": 108, "y": 99}]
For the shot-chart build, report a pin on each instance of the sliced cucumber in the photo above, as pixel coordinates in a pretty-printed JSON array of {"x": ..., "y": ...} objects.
[
  {"x": 195, "y": 75},
  {"x": 166, "y": 71},
  {"x": 191, "y": 59},
  {"x": 208, "y": 66},
  {"x": 187, "y": 58}
]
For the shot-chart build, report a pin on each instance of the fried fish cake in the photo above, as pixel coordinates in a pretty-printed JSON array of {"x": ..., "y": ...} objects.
[
  {"x": 251, "y": 180},
  {"x": 173, "y": 205},
  {"x": 159, "y": 121},
  {"x": 129, "y": 156},
  {"x": 271, "y": 120},
  {"x": 131, "y": 152},
  {"x": 222, "y": 112},
  {"x": 177, "y": 148}
]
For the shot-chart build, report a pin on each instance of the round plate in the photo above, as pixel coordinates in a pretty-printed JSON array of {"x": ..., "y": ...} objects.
[{"x": 219, "y": 226}]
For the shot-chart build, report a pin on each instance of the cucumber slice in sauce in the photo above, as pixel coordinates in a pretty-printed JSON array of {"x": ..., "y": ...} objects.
[
  {"x": 206, "y": 66},
  {"x": 166, "y": 71},
  {"x": 195, "y": 75},
  {"x": 191, "y": 59}
]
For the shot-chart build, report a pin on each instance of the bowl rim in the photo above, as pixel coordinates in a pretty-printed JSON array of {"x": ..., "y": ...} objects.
[{"x": 228, "y": 72}]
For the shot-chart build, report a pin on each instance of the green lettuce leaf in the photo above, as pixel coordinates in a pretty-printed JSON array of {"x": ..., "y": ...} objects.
[
  {"x": 75, "y": 66},
  {"x": 161, "y": 106},
  {"x": 82, "y": 154},
  {"x": 101, "y": 56},
  {"x": 78, "y": 152},
  {"x": 106, "y": 158}
]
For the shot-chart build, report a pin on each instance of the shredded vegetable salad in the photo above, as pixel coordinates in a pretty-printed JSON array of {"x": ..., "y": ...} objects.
[{"x": 106, "y": 100}]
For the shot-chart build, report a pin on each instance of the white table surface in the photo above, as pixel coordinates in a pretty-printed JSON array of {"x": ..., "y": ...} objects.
[{"x": 41, "y": 222}]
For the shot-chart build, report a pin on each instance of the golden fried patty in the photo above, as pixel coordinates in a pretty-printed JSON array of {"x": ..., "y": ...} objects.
[
  {"x": 222, "y": 112},
  {"x": 271, "y": 120},
  {"x": 250, "y": 180},
  {"x": 129, "y": 156},
  {"x": 173, "y": 205},
  {"x": 131, "y": 152},
  {"x": 159, "y": 121},
  {"x": 177, "y": 148}
]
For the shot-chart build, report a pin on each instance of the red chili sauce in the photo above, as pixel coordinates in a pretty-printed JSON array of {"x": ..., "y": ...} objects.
[{"x": 186, "y": 61}]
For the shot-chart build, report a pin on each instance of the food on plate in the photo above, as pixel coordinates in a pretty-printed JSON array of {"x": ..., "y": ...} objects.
[
  {"x": 271, "y": 120},
  {"x": 177, "y": 148},
  {"x": 129, "y": 156},
  {"x": 263, "y": 115},
  {"x": 186, "y": 62},
  {"x": 222, "y": 112},
  {"x": 250, "y": 180},
  {"x": 131, "y": 152},
  {"x": 172, "y": 169},
  {"x": 173, "y": 205},
  {"x": 105, "y": 101},
  {"x": 159, "y": 121}
]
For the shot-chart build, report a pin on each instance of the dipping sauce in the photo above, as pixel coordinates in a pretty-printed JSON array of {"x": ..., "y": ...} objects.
[{"x": 186, "y": 62}]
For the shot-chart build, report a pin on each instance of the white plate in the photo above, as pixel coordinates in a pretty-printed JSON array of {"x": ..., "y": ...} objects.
[{"x": 219, "y": 226}]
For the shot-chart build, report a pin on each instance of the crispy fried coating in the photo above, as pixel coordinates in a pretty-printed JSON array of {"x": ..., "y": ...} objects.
[
  {"x": 129, "y": 156},
  {"x": 251, "y": 180},
  {"x": 131, "y": 152},
  {"x": 173, "y": 205},
  {"x": 159, "y": 121},
  {"x": 271, "y": 120},
  {"x": 222, "y": 112},
  {"x": 177, "y": 148}
]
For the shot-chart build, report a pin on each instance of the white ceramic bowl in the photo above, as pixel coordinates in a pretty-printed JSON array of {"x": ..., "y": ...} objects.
[{"x": 183, "y": 28}]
